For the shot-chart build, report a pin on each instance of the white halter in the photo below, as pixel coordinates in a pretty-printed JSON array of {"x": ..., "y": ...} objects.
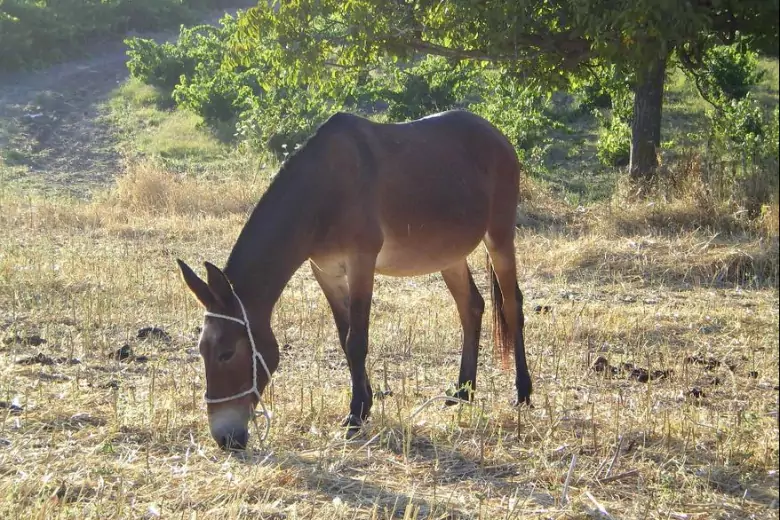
[{"x": 256, "y": 355}]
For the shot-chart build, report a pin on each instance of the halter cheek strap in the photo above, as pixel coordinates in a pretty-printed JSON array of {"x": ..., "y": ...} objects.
[{"x": 256, "y": 356}]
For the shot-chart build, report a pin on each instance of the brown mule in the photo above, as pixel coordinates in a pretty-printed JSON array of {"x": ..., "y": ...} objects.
[{"x": 361, "y": 198}]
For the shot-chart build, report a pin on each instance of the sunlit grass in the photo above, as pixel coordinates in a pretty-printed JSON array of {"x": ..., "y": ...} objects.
[
  {"x": 178, "y": 140},
  {"x": 109, "y": 439}
]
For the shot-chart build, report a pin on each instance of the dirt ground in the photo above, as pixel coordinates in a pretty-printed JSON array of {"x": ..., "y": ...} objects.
[{"x": 52, "y": 130}]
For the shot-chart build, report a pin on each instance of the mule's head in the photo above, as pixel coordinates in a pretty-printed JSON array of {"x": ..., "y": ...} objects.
[{"x": 227, "y": 353}]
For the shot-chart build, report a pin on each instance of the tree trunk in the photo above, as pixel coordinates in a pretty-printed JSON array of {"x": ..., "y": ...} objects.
[{"x": 646, "y": 126}]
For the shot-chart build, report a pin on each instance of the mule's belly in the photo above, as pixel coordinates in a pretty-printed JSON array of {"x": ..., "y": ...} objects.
[
  {"x": 394, "y": 260},
  {"x": 421, "y": 252}
]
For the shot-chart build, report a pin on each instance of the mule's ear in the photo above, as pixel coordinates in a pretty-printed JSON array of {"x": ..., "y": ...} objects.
[
  {"x": 219, "y": 284},
  {"x": 196, "y": 285}
]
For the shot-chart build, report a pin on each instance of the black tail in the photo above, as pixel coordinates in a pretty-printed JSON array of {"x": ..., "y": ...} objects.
[{"x": 503, "y": 340}]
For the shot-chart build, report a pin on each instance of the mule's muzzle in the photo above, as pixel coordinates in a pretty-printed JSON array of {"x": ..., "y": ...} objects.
[
  {"x": 232, "y": 440},
  {"x": 229, "y": 426}
]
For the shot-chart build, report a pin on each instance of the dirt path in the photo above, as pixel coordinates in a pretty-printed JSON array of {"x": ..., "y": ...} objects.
[{"x": 52, "y": 135}]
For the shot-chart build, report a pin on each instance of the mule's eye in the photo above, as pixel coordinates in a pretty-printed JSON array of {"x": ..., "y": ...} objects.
[{"x": 225, "y": 356}]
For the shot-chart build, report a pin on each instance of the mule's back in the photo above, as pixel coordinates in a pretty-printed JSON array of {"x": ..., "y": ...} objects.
[{"x": 433, "y": 185}]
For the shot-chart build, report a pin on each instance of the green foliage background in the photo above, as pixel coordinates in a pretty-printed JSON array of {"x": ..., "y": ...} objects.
[
  {"x": 267, "y": 79},
  {"x": 261, "y": 102}
]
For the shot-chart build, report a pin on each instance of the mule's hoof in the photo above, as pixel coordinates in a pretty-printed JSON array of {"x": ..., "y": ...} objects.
[
  {"x": 523, "y": 401},
  {"x": 353, "y": 424},
  {"x": 524, "y": 389},
  {"x": 458, "y": 396}
]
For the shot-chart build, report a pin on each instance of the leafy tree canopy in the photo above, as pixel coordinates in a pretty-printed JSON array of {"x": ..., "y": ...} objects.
[
  {"x": 329, "y": 45},
  {"x": 540, "y": 40}
]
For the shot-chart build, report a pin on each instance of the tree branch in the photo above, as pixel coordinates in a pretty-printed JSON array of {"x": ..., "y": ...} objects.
[
  {"x": 690, "y": 67},
  {"x": 572, "y": 51}
]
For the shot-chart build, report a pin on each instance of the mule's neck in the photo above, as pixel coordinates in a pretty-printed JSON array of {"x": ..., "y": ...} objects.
[{"x": 276, "y": 239}]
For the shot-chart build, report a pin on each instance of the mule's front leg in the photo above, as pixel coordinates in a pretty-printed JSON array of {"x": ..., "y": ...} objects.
[{"x": 360, "y": 273}]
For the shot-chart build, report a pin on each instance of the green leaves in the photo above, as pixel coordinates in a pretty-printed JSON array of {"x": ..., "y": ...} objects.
[{"x": 729, "y": 72}]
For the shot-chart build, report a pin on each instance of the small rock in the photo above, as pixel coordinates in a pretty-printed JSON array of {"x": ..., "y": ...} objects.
[
  {"x": 141, "y": 359},
  {"x": 696, "y": 392},
  {"x": 39, "y": 358},
  {"x": 154, "y": 333},
  {"x": 152, "y": 512},
  {"x": 122, "y": 353},
  {"x": 53, "y": 377},
  {"x": 639, "y": 374},
  {"x": 542, "y": 309},
  {"x": 112, "y": 384},
  {"x": 381, "y": 395},
  {"x": 709, "y": 363},
  {"x": 661, "y": 374},
  {"x": 14, "y": 406},
  {"x": 31, "y": 341},
  {"x": 42, "y": 359},
  {"x": 600, "y": 365},
  {"x": 753, "y": 374}
]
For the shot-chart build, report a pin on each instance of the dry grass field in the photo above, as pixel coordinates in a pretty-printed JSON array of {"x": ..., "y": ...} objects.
[{"x": 688, "y": 431}]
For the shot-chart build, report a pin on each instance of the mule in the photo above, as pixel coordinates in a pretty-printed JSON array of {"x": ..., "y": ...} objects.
[{"x": 361, "y": 198}]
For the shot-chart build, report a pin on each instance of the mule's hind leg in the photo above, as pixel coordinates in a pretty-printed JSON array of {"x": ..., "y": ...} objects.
[
  {"x": 471, "y": 306},
  {"x": 511, "y": 329}
]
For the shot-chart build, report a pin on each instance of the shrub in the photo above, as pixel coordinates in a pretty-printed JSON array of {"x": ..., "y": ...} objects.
[
  {"x": 219, "y": 98},
  {"x": 518, "y": 111},
  {"x": 730, "y": 72},
  {"x": 742, "y": 151},
  {"x": 431, "y": 85},
  {"x": 614, "y": 144},
  {"x": 607, "y": 94},
  {"x": 157, "y": 65},
  {"x": 283, "y": 119},
  {"x": 201, "y": 47},
  {"x": 237, "y": 100}
]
